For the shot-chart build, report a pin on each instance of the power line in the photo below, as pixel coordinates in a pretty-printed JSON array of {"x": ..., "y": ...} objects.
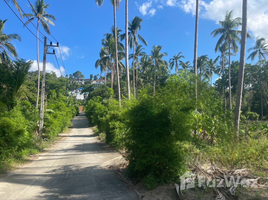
[
  {"x": 62, "y": 60},
  {"x": 23, "y": 23},
  {"x": 58, "y": 64}
]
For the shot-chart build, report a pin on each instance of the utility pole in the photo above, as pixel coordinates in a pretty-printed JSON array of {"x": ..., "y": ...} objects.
[{"x": 42, "y": 107}]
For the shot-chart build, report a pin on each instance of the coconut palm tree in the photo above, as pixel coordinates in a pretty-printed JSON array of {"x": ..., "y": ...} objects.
[
  {"x": 202, "y": 65},
  {"x": 134, "y": 27},
  {"x": 185, "y": 65},
  {"x": 174, "y": 61},
  {"x": 40, "y": 13},
  {"x": 260, "y": 50},
  {"x": 115, "y": 4},
  {"x": 241, "y": 68},
  {"x": 157, "y": 57},
  {"x": 196, "y": 38},
  {"x": 220, "y": 70},
  {"x": 15, "y": 2},
  {"x": 7, "y": 49},
  {"x": 135, "y": 56},
  {"x": 212, "y": 65},
  {"x": 147, "y": 69},
  {"x": 229, "y": 34},
  {"x": 126, "y": 49}
]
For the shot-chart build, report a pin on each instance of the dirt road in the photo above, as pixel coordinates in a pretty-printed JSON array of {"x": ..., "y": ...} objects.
[{"x": 72, "y": 169}]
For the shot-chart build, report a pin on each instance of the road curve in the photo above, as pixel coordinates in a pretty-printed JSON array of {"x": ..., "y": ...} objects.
[{"x": 71, "y": 169}]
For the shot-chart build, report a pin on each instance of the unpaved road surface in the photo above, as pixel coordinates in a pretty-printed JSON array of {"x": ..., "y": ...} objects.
[{"x": 71, "y": 169}]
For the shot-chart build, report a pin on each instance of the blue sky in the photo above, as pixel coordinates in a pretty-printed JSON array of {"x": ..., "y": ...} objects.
[{"x": 80, "y": 26}]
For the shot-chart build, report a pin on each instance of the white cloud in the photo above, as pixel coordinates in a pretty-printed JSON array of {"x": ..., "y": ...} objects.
[
  {"x": 160, "y": 7},
  {"x": 145, "y": 7},
  {"x": 171, "y": 2},
  {"x": 216, "y": 9},
  {"x": 65, "y": 51},
  {"x": 49, "y": 68},
  {"x": 152, "y": 12}
]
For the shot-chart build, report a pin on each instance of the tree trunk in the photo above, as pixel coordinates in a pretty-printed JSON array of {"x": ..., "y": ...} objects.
[
  {"x": 133, "y": 68},
  {"x": 155, "y": 76},
  {"x": 195, "y": 45},
  {"x": 261, "y": 104},
  {"x": 112, "y": 76},
  {"x": 105, "y": 76},
  {"x": 223, "y": 87},
  {"x": 230, "y": 83},
  {"x": 176, "y": 67},
  {"x": 241, "y": 68},
  {"x": 116, "y": 57},
  {"x": 126, "y": 47},
  {"x": 38, "y": 81},
  {"x": 196, "y": 37},
  {"x": 137, "y": 79}
]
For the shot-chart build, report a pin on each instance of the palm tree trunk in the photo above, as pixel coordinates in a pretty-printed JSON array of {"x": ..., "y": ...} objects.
[
  {"x": 133, "y": 68},
  {"x": 137, "y": 79},
  {"x": 155, "y": 76},
  {"x": 105, "y": 78},
  {"x": 230, "y": 83},
  {"x": 196, "y": 37},
  {"x": 126, "y": 47},
  {"x": 261, "y": 87},
  {"x": 241, "y": 68},
  {"x": 261, "y": 104},
  {"x": 176, "y": 67},
  {"x": 223, "y": 87},
  {"x": 116, "y": 57},
  {"x": 112, "y": 76},
  {"x": 195, "y": 46},
  {"x": 38, "y": 81}
]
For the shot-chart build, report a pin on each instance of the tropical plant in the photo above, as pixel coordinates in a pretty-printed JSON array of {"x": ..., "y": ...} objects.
[
  {"x": 39, "y": 13},
  {"x": 133, "y": 36},
  {"x": 7, "y": 49},
  {"x": 202, "y": 65},
  {"x": 241, "y": 67},
  {"x": 157, "y": 57},
  {"x": 126, "y": 50},
  {"x": 185, "y": 65},
  {"x": 212, "y": 65},
  {"x": 260, "y": 50},
  {"x": 115, "y": 4},
  {"x": 174, "y": 61},
  {"x": 229, "y": 35},
  {"x": 135, "y": 56}
]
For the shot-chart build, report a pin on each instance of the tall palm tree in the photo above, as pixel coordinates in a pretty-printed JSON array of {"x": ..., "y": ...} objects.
[
  {"x": 126, "y": 49},
  {"x": 134, "y": 27},
  {"x": 241, "y": 68},
  {"x": 6, "y": 47},
  {"x": 174, "y": 61},
  {"x": 147, "y": 69},
  {"x": 40, "y": 13},
  {"x": 115, "y": 4},
  {"x": 201, "y": 65},
  {"x": 220, "y": 71},
  {"x": 135, "y": 56},
  {"x": 185, "y": 65},
  {"x": 157, "y": 57},
  {"x": 110, "y": 53},
  {"x": 196, "y": 38},
  {"x": 229, "y": 34},
  {"x": 260, "y": 50},
  {"x": 212, "y": 65},
  {"x": 15, "y": 2}
]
